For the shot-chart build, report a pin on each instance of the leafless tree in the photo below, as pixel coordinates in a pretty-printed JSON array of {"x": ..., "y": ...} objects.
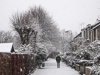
[
  {"x": 23, "y": 24},
  {"x": 49, "y": 30},
  {"x": 35, "y": 24},
  {"x": 6, "y": 37}
]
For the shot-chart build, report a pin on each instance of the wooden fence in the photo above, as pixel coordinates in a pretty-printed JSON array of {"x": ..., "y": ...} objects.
[{"x": 17, "y": 64}]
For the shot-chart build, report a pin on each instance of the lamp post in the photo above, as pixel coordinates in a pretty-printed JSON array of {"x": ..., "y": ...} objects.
[
  {"x": 69, "y": 33},
  {"x": 69, "y": 37},
  {"x": 66, "y": 38}
]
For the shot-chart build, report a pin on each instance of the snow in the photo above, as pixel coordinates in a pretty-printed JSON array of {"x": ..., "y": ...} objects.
[
  {"x": 5, "y": 47},
  {"x": 95, "y": 26},
  {"x": 84, "y": 60},
  {"x": 89, "y": 67},
  {"x": 51, "y": 69}
]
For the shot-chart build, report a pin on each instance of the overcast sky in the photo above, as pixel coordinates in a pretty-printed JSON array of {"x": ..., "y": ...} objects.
[{"x": 68, "y": 14}]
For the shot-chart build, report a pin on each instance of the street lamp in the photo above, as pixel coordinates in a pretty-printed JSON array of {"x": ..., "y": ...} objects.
[{"x": 69, "y": 32}]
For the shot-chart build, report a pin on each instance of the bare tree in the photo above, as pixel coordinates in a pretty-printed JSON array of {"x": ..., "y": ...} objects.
[
  {"x": 6, "y": 37},
  {"x": 23, "y": 24},
  {"x": 50, "y": 32},
  {"x": 35, "y": 24}
]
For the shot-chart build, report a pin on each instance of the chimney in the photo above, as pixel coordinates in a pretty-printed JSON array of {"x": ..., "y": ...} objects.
[{"x": 88, "y": 25}]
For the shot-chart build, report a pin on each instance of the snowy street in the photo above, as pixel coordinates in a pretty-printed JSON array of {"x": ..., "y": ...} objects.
[{"x": 51, "y": 69}]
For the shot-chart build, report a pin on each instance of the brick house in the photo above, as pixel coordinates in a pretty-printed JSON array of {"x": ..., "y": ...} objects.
[
  {"x": 86, "y": 32},
  {"x": 95, "y": 32},
  {"x": 74, "y": 46},
  {"x": 75, "y": 39},
  {"x": 91, "y": 32}
]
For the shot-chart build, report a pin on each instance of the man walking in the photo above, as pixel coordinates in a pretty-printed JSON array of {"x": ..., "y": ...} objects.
[{"x": 58, "y": 61}]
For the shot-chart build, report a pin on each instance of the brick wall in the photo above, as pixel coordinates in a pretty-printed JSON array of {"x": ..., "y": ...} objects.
[{"x": 16, "y": 64}]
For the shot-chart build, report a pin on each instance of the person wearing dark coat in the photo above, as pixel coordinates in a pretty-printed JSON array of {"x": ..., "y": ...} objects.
[{"x": 58, "y": 61}]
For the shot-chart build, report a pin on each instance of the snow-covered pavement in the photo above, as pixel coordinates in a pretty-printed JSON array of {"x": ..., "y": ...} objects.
[{"x": 51, "y": 69}]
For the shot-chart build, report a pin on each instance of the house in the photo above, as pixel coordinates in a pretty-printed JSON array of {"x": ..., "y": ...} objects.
[
  {"x": 7, "y": 47},
  {"x": 76, "y": 42},
  {"x": 91, "y": 32},
  {"x": 95, "y": 32},
  {"x": 86, "y": 32},
  {"x": 77, "y": 36}
]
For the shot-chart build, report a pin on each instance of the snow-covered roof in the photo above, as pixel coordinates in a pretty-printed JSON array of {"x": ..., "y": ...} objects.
[
  {"x": 79, "y": 35},
  {"x": 92, "y": 26},
  {"x": 95, "y": 26},
  {"x": 6, "y": 47}
]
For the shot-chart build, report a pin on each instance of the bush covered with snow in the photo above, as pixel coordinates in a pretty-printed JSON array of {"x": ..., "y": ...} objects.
[
  {"x": 87, "y": 48},
  {"x": 25, "y": 49},
  {"x": 96, "y": 67},
  {"x": 41, "y": 50},
  {"x": 94, "y": 48},
  {"x": 95, "y": 70}
]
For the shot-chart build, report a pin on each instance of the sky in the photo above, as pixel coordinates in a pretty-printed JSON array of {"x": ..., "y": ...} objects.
[{"x": 68, "y": 14}]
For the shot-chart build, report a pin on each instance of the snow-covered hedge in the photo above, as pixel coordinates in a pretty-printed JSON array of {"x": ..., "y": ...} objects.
[
  {"x": 95, "y": 70},
  {"x": 94, "y": 48},
  {"x": 89, "y": 48},
  {"x": 25, "y": 49}
]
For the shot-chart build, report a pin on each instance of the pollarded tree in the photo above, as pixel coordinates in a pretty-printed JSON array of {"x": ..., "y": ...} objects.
[
  {"x": 35, "y": 24},
  {"x": 24, "y": 24}
]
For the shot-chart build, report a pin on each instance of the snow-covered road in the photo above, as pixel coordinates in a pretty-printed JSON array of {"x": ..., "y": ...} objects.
[{"x": 51, "y": 69}]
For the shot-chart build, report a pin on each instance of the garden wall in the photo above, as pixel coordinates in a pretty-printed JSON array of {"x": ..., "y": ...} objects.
[
  {"x": 17, "y": 64},
  {"x": 88, "y": 71}
]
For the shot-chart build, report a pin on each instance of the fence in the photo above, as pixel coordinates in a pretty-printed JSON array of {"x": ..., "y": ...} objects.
[{"x": 17, "y": 64}]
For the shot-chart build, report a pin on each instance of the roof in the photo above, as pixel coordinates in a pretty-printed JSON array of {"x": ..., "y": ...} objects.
[
  {"x": 6, "y": 47},
  {"x": 92, "y": 26},
  {"x": 87, "y": 27},
  {"x": 95, "y": 26},
  {"x": 78, "y": 35}
]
